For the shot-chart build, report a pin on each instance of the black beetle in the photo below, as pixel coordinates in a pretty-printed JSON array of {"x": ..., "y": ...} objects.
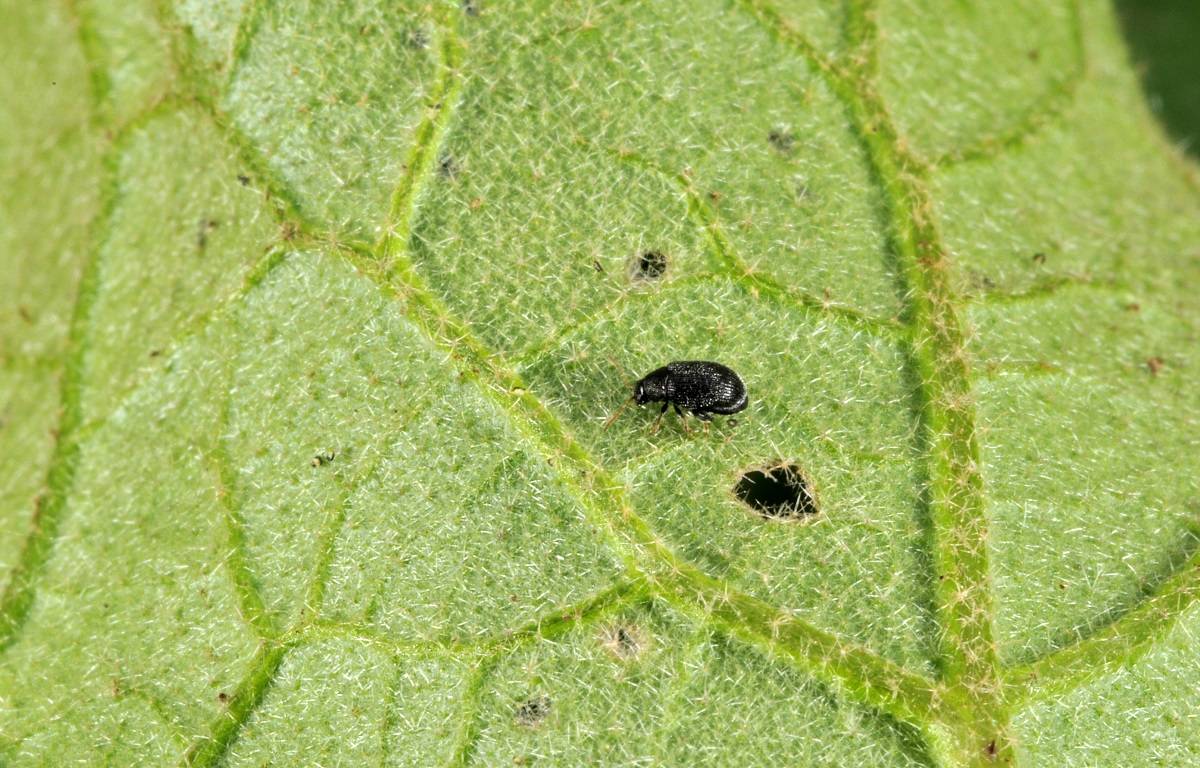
[{"x": 701, "y": 387}]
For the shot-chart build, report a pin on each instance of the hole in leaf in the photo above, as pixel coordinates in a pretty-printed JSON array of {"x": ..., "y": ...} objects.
[
  {"x": 650, "y": 265},
  {"x": 779, "y": 493},
  {"x": 532, "y": 712}
]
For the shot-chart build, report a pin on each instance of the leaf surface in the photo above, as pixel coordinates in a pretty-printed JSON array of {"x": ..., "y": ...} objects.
[{"x": 313, "y": 314}]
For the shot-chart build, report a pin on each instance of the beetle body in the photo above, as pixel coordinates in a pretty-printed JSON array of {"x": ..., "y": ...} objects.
[{"x": 700, "y": 387}]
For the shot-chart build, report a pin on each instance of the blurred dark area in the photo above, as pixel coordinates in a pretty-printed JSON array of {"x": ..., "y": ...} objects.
[{"x": 1164, "y": 41}]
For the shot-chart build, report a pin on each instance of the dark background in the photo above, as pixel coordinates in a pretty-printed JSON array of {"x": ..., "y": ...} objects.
[{"x": 1164, "y": 42}]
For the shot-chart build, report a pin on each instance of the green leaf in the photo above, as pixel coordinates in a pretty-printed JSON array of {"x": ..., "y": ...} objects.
[{"x": 313, "y": 314}]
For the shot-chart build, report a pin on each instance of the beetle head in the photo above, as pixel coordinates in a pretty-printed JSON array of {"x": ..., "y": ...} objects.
[{"x": 648, "y": 389}]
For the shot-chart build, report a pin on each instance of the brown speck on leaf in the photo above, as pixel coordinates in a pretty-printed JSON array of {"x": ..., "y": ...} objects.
[
  {"x": 223, "y": 697},
  {"x": 991, "y": 748},
  {"x": 1133, "y": 306},
  {"x": 206, "y": 226},
  {"x": 243, "y": 179},
  {"x": 476, "y": 203},
  {"x": 1034, "y": 54},
  {"x": 596, "y": 265},
  {"x": 1039, "y": 258},
  {"x": 714, "y": 196},
  {"x": 24, "y": 313},
  {"x": 1155, "y": 364},
  {"x": 623, "y": 641},
  {"x": 288, "y": 231}
]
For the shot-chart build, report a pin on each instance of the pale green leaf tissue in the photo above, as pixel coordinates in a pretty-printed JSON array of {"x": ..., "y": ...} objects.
[{"x": 311, "y": 314}]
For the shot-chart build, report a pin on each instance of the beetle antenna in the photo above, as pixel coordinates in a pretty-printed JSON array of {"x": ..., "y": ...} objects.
[{"x": 617, "y": 412}]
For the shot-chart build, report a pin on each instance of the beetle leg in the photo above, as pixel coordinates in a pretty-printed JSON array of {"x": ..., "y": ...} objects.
[{"x": 658, "y": 421}]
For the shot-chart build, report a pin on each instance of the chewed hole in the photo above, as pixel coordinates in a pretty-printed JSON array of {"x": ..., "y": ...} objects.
[
  {"x": 779, "y": 493},
  {"x": 650, "y": 265},
  {"x": 532, "y": 712}
]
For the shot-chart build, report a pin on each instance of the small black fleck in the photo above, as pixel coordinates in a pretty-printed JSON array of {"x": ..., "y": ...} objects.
[
  {"x": 782, "y": 139},
  {"x": 781, "y": 492},
  {"x": 243, "y": 179},
  {"x": 470, "y": 7},
  {"x": 321, "y": 459},
  {"x": 531, "y": 712},
  {"x": 223, "y": 697},
  {"x": 650, "y": 265},
  {"x": 596, "y": 265},
  {"x": 1039, "y": 258},
  {"x": 448, "y": 167}
]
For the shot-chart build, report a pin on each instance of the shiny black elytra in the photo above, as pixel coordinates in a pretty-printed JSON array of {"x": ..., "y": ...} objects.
[{"x": 700, "y": 387}]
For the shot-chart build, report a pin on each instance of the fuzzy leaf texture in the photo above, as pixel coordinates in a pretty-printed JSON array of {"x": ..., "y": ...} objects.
[{"x": 312, "y": 313}]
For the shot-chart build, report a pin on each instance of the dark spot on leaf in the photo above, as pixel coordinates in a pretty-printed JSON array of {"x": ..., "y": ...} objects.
[
  {"x": 649, "y": 265},
  {"x": 206, "y": 226},
  {"x": 1034, "y": 54},
  {"x": 1039, "y": 258},
  {"x": 532, "y": 712},
  {"x": 782, "y": 139},
  {"x": 470, "y": 7},
  {"x": 24, "y": 313},
  {"x": 623, "y": 640},
  {"x": 1155, "y": 364},
  {"x": 321, "y": 459},
  {"x": 223, "y": 697},
  {"x": 1133, "y": 306},
  {"x": 779, "y": 493},
  {"x": 991, "y": 748},
  {"x": 155, "y": 352},
  {"x": 448, "y": 167},
  {"x": 243, "y": 179},
  {"x": 596, "y": 265},
  {"x": 418, "y": 38}
]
